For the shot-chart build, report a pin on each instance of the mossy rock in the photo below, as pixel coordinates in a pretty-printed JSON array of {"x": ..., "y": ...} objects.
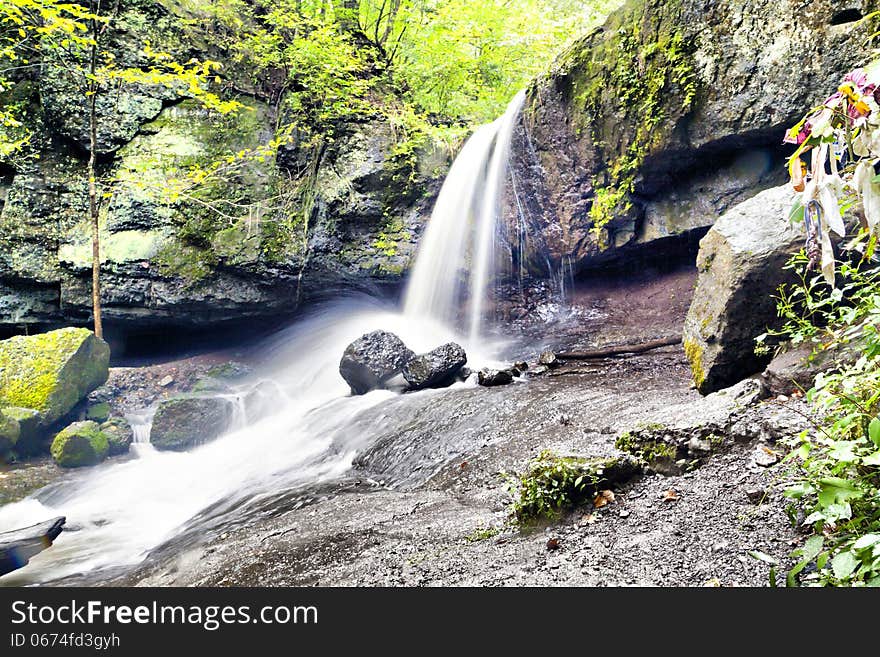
[
  {"x": 53, "y": 371},
  {"x": 80, "y": 444},
  {"x": 33, "y": 438},
  {"x": 119, "y": 434},
  {"x": 9, "y": 431},
  {"x": 186, "y": 421},
  {"x": 98, "y": 412}
]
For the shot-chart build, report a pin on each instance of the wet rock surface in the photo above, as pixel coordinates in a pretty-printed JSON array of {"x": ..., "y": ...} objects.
[
  {"x": 725, "y": 81},
  {"x": 437, "y": 368},
  {"x": 186, "y": 421},
  {"x": 373, "y": 360}
]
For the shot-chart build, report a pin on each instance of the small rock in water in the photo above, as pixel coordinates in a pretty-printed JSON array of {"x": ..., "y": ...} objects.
[
  {"x": 372, "y": 360},
  {"x": 490, "y": 378},
  {"x": 549, "y": 359},
  {"x": 435, "y": 369},
  {"x": 522, "y": 366},
  {"x": 166, "y": 381}
]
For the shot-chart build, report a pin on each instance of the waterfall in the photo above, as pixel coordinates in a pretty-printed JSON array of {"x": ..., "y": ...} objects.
[
  {"x": 303, "y": 435},
  {"x": 454, "y": 266}
]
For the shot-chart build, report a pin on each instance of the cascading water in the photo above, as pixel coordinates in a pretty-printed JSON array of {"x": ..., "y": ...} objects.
[
  {"x": 118, "y": 511},
  {"x": 456, "y": 254}
]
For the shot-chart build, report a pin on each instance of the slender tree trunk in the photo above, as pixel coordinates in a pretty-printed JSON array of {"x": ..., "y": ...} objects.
[{"x": 92, "y": 87}]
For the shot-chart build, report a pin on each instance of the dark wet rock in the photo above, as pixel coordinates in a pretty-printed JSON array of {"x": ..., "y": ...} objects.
[
  {"x": 436, "y": 369},
  {"x": 33, "y": 437},
  {"x": 740, "y": 265},
  {"x": 186, "y": 421},
  {"x": 682, "y": 437},
  {"x": 490, "y": 378},
  {"x": 18, "y": 546},
  {"x": 119, "y": 435},
  {"x": 548, "y": 359},
  {"x": 80, "y": 444},
  {"x": 51, "y": 372},
  {"x": 373, "y": 360},
  {"x": 522, "y": 366},
  {"x": 756, "y": 495},
  {"x": 587, "y": 150}
]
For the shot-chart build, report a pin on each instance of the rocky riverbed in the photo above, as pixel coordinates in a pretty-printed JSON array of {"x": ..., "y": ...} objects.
[{"x": 428, "y": 505}]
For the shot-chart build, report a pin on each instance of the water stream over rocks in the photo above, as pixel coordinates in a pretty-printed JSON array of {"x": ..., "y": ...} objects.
[{"x": 318, "y": 454}]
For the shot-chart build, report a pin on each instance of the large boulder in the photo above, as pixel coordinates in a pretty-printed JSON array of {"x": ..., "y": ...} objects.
[
  {"x": 435, "y": 369},
  {"x": 740, "y": 267},
  {"x": 186, "y": 421},
  {"x": 53, "y": 371},
  {"x": 670, "y": 114},
  {"x": 80, "y": 444},
  {"x": 372, "y": 360}
]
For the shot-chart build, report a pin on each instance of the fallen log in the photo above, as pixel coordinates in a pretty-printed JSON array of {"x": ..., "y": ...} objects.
[
  {"x": 18, "y": 546},
  {"x": 607, "y": 352}
]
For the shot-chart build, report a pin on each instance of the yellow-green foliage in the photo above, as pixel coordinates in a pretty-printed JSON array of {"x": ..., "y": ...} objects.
[
  {"x": 694, "y": 353},
  {"x": 52, "y": 371}
]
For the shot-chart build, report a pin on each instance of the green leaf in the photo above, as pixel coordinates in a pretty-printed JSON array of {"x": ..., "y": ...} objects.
[
  {"x": 812, "y": 547},
  {"x": 797, "y": 212},
  {"x": 835, "y": 489},
  {"x": 762, "y": 556},
  {"x": 866, "y": 541},
  {"x": 874, "y": 431},
  {"x": 872, "y": 459},
  {"x": 844, "y": 564},
  {"x": 790, "y": 578}
]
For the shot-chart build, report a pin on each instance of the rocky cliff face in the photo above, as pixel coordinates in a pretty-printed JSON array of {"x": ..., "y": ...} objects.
[
  {"x": 671, "y": 113},
  {"x": 298, "y": 226}
]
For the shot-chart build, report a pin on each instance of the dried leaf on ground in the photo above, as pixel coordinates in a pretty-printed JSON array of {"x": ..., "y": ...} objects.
[
  {"x": 670, "y": 495},
  {"x": 604, "y": 498}
]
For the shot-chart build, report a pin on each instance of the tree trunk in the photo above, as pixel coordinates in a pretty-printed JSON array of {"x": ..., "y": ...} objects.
[
  {"x": 349, "y": 15},
  {"x": 93, "y": 90},
  {"x": 606, "y": 352}
]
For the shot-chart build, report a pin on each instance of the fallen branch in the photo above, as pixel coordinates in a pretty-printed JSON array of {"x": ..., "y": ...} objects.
[{"x": 607, "y": 352}]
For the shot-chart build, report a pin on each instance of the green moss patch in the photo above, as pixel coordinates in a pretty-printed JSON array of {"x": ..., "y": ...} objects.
[
  {"x": 80, "y": 444},
  {"x": 52, "y": 371}
]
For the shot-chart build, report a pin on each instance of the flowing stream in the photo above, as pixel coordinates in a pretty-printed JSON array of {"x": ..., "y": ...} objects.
[{"x": 119, "y": 511}]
